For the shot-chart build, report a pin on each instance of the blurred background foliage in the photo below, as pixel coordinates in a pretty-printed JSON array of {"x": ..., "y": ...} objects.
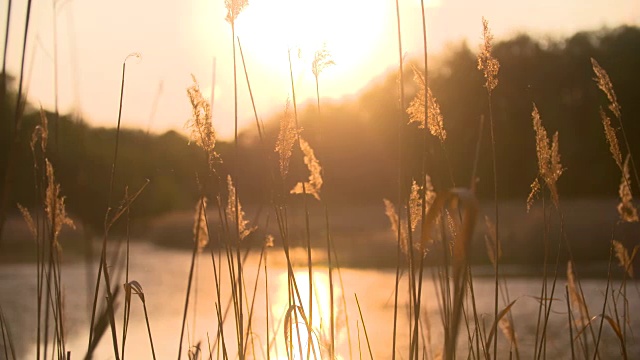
[{"x": 356, "y": 139}]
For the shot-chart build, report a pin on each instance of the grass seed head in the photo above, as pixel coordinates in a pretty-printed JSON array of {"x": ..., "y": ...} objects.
[
  {"x": 549, "y": 166},
  {"x": 29, "y": 220},
  {"x": 390, "y": 211},
  {"x": 486, "y": 62},
  {"x": 286, "y": 138},
  {"x": 243, "y": 230},
  {"x": 321, "y": 60},
  {"x": 311, "y": 187},
  {"x": 434, "y": 120},
  {"x": 626, "y": 209},
  {"x": 234, "y": 8},
  {"x": 604, "y": 83},
  {"x": 624, "y": 260},
  {"x": 54, "y": 205},
  {"x": 612, "y": 139},
  {"x": 200, "y": 125}
]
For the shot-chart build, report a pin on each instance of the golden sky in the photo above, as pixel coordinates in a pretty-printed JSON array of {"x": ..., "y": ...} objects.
[{"x": 180, "y": 38}]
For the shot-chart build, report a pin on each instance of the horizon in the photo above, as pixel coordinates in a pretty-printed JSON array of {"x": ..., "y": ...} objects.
[{"x": 89, "y": 72}]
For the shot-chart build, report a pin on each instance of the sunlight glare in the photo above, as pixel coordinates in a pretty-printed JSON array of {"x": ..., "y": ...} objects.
[
  {"x": 321, "y": 310},
  {"x": 350, "y": 29}
]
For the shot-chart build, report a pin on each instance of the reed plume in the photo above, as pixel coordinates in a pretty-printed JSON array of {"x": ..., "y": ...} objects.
[
  {"x": 200, "y": 229},
  {"x": 243, "y": 230},
  {"x": 612, "y": 139},
  {"x": 54, "y": 205},
  {"x": 26, "y": 215},
  {"x": 200, "y": 125},
  {"x": 286, "y": 138},
  {"x": 415, "y": 210},
  {"x": 626, "y": 209},
  {"x": 624, "y": 260},
  {"x": 549, "y": 167},
  {"x": 311, "y": 187},
  {"x": 434, "y": 120},
  {"x": 321, "y": 60},
  {"x": 234, "y": 8},
  {"x": 604, "y": 83},
  {"x": 486, "y": 62},
  {"x": 396, "y": 227}
]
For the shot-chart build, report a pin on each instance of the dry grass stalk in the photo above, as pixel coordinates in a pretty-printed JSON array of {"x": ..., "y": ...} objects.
[
  {"x": 490, "y": 241},
  {"x": 604, "y": 83},
  {"x": 311, "y": 187},
  {"x": 234, "y": 8},
  {"x": 321, "y": 60},
  {"x": 54, "y": 205},
  {"x": 486, "y": 62},
  {"x": 626, "y": 209},
  {"x": 416, "y": 109},
  {"x": 200, "y": 125},
  {"x": 612, "y": 139},
  {"x": 549, "y": 167},
  {"x": 624, "y": 260},
  {"x": 200, "y": 229},
  {"x": 286, "y": 138},
  {"x": 243, "y": 230}
]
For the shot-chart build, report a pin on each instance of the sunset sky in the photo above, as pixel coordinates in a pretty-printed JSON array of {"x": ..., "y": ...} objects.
[{"x": 180, "y": 38}]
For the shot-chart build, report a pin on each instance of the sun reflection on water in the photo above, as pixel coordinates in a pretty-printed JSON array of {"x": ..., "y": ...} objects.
[{"x": 319, "y": 314}]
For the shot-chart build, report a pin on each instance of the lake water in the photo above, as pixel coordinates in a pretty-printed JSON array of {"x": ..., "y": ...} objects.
[{"x": 163, "y": 275}]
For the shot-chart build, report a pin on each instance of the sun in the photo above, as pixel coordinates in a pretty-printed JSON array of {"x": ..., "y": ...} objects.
[{"x": 349, "y": 29}]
